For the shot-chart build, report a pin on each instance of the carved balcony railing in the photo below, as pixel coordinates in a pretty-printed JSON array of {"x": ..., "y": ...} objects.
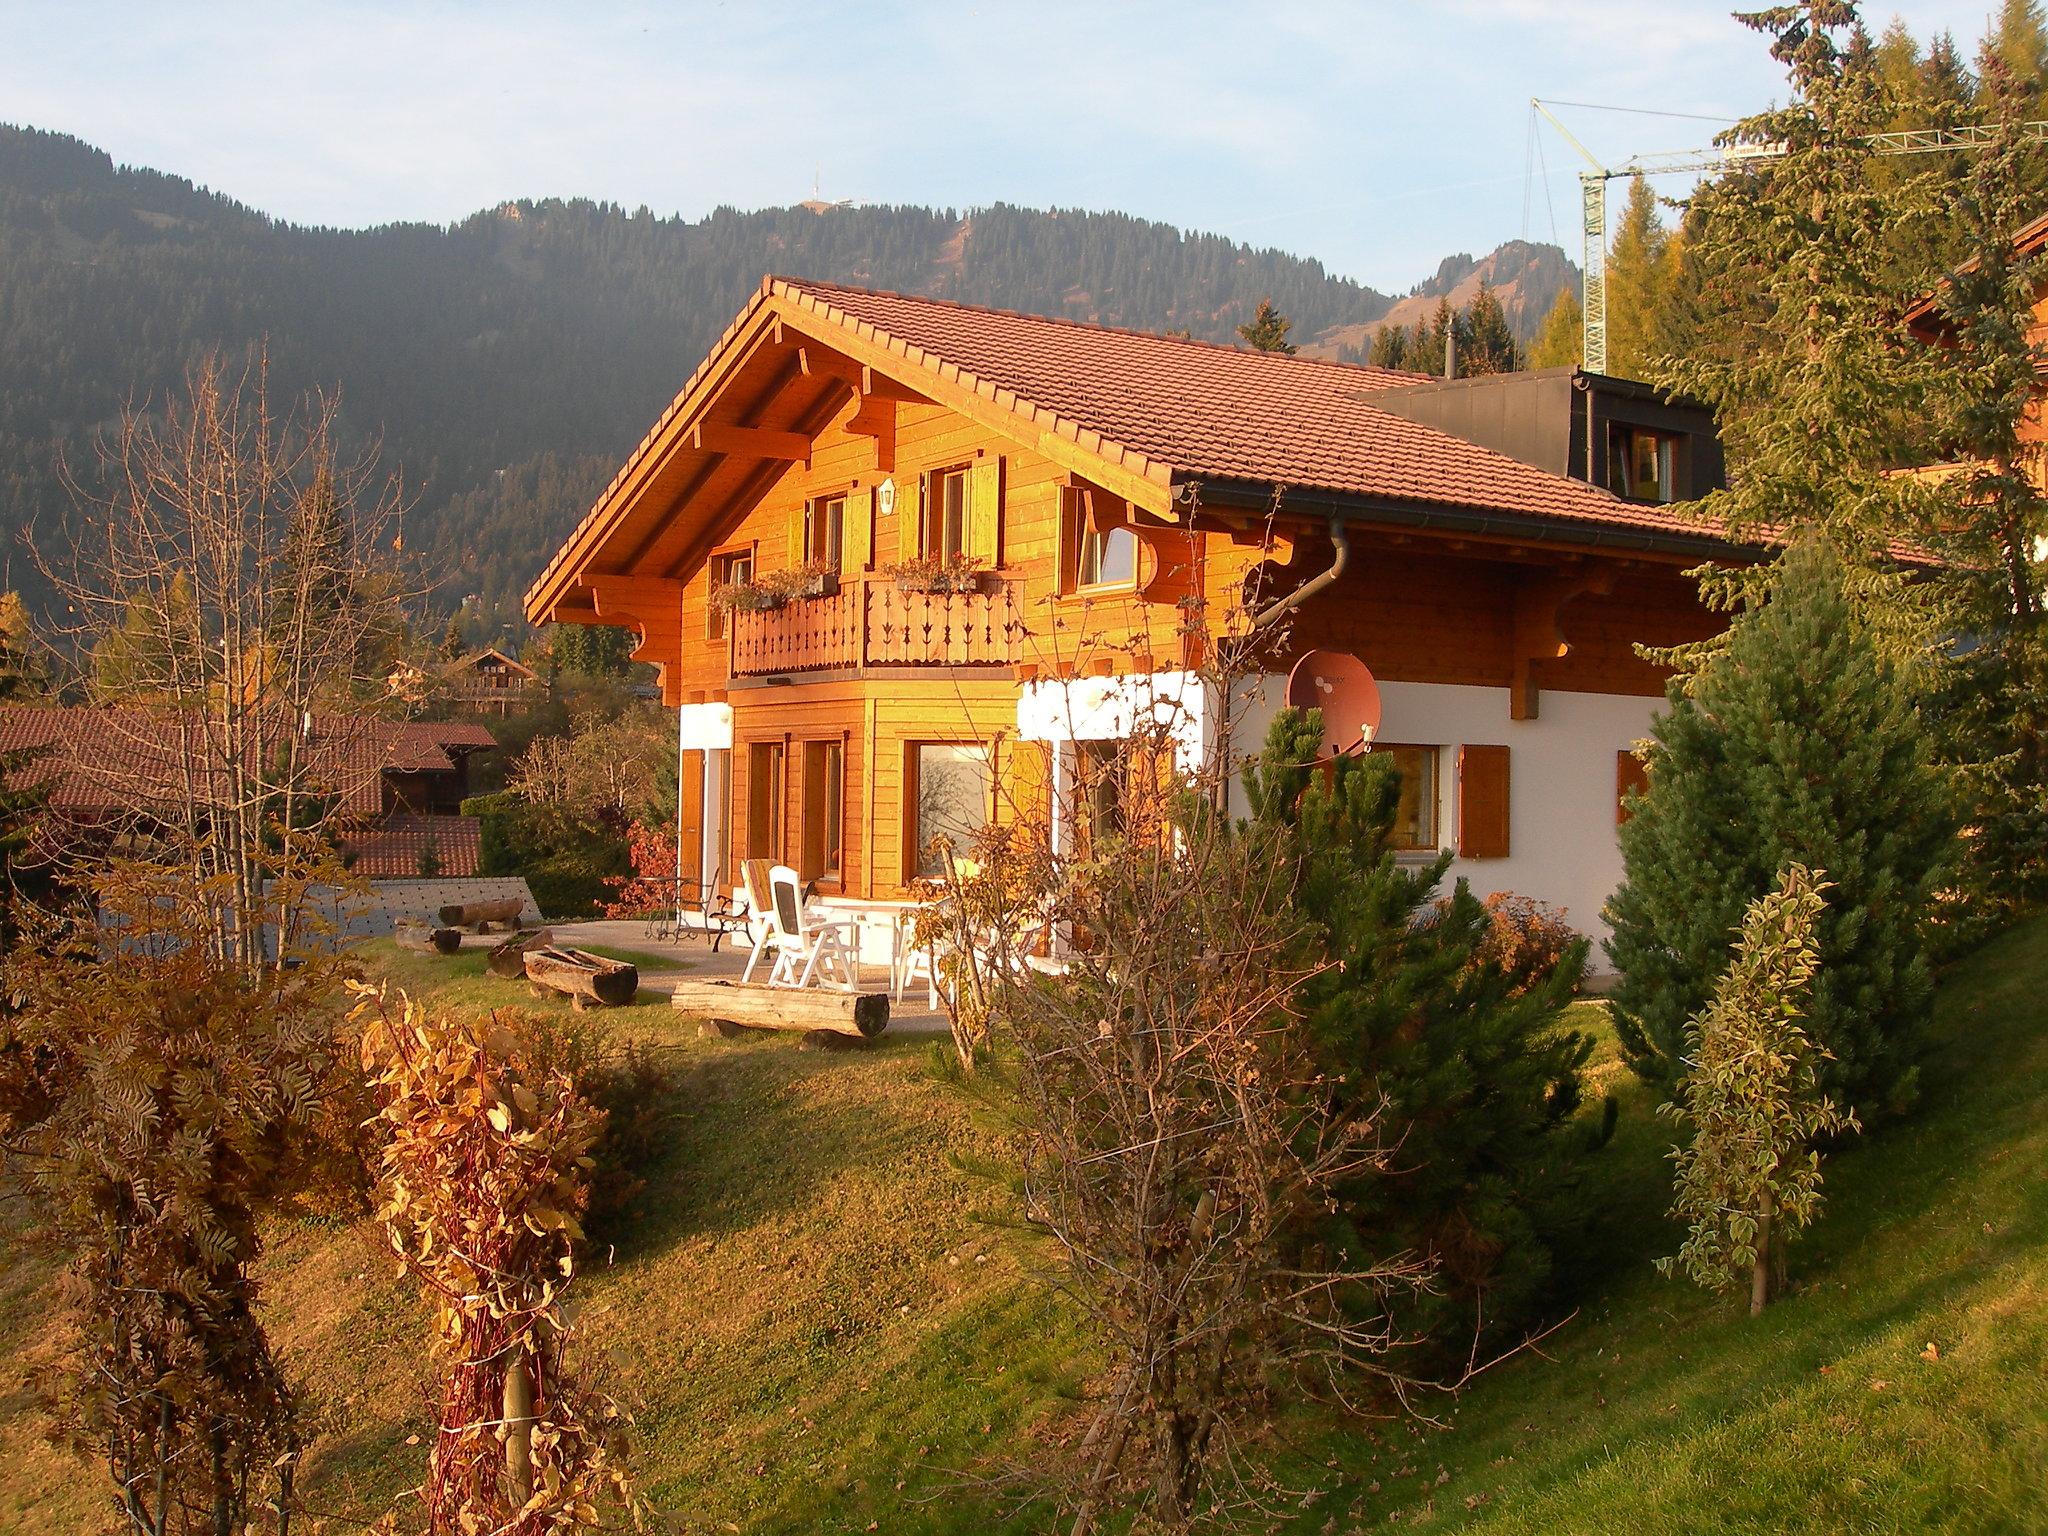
[{"x": 875, "y": 624}]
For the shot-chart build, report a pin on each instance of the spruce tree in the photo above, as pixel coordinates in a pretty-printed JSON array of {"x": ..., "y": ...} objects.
[
  {"x": 1267, "y": 330},
  {"x": 1560, "y": 340},
  {"x": 1488, "y": 345},
  {"x": 1994, "y": 518},
  {"x": 1389, "y": 347},
  {"x": 1794, "y": 744},
  {"x": 1818, "y": 390},
  {"x": 1478, "y": 1075}
]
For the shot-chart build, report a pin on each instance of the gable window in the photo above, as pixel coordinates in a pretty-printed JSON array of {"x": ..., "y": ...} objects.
[
  {"x": 824, "y": 530},
  {"x": 1642, "y": 465},
  {"x": 732, "y": 569},
  {"x": 824, "y": 810},
  {"x": 946, "y": 789},
  {"x": 1414, "y": 829},
  {"x": 944, "y": 535},
  {"x": 1108, "y": 558}
]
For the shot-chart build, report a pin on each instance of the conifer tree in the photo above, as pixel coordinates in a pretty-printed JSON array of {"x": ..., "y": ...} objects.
[
  {"x": 1995, "y": 518},
  {"x": 1267, "y": 330},
  {"x": 1795, "y": 744},
  {"x": 1817, "y": 389},
  {"x": 1478, "y": 1076},
  {"x": 1750, "y": 1178},
  {"x": 2015, "y": 46},
  {"x": 1636, "y": 276},
  {"x": 1560, "y": 341},
  {"x": 1389, "y": 347},
  {"x": 1488, "y": 345}
]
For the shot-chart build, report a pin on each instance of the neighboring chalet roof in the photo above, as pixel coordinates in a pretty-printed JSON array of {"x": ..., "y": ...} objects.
[
  {"x": 118, "y": 758},
  {"x": 475, "y": 659},
  {"x": 1153, "y": 418},
  {"x": 390, "y": 849},
  {"x": 1924, "y": 316}
]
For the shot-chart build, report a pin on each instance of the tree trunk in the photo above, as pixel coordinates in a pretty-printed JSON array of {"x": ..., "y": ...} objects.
[
  {"x": 1760, "y": 1271},
  {"x": 582, "y": 977}
]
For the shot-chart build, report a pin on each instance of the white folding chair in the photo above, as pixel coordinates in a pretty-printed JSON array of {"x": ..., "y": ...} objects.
[{"x": 808, "y": 949}]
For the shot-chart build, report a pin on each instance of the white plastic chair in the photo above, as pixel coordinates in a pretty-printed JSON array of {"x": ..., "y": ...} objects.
[{"x": 808, "y": 949}]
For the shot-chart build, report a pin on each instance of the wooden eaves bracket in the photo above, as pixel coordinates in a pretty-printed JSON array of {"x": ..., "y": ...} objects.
[{"x": 1539, "y": 633}]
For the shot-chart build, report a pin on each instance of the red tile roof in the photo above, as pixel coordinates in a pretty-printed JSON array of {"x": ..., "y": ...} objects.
[
  {"x": 390, "y": 849},
  {"x": 1203, "y": 411},
  {"x": 119, "y": 758}
]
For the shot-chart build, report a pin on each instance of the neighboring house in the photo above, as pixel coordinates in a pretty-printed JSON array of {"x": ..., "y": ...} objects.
[
  {"x": 108, "y": 768},
  {"x": 1627, "y": 436},
  {"x": 407, "y": 847},
  {"x": 1111, "y": 484},
  {"x": 488, "y": 682},
  {"x": 1927, "y": 322}
]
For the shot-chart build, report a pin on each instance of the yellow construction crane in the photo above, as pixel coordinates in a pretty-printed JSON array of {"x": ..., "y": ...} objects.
[{"x": 1593, "y": 192}]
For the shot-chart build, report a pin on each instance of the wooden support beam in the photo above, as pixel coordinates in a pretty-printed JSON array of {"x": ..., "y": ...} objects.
[
  {"x": 751, "y": 442},
  {"x": 1538, "y": 633},
  {"x": 876, "y": 418}
]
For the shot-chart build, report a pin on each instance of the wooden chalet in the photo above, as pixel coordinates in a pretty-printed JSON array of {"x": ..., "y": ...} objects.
[
  {"x": 841, "y": 453},
  {"x": 487, "y": 682}
]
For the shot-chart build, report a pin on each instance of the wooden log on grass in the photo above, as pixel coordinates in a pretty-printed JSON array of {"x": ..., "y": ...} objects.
[
  {"x": 411, "y": 933},
  {"x": 582, "y": 977},
  {"x": 479, "y": 914},
  {"x": 804, "y": 1009},
  {"x": 509, "y": 958}
]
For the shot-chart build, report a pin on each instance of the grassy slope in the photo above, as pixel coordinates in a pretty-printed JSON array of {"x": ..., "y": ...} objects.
[{"x": 813, "y": 1323}]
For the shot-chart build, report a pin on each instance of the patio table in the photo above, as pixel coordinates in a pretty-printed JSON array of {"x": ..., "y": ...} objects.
[{"x": 896, "y": 917}]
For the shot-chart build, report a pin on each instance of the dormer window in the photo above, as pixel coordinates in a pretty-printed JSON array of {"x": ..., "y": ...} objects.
[{"x": 1642, "y": 465}]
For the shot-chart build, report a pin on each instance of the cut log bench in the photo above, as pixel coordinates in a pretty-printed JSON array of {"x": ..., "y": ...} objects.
[
  {"x": 509, "y": 958},
  {"x": 412, "y": 933},
  {"x": 477, "y": 916},
  {"x": 585, "y": 979},
  {"x": 728, "y": 1006}
]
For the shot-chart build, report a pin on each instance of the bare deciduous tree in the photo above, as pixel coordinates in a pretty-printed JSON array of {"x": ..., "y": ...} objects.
[{"x": 233, "y": 590}]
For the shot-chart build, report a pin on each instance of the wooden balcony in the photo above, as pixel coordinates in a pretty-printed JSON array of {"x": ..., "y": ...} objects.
[{"x": 873, "y": 624}]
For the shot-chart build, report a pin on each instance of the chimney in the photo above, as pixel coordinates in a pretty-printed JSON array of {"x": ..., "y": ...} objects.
[{"x": 1451, "y": 349}]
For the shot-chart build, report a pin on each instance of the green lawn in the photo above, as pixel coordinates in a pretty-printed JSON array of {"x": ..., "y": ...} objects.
[{"x": 819, "y": 1329}]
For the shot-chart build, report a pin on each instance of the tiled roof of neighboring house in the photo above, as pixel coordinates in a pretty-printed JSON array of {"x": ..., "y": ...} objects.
[
  {"x": 391, "y": 849},
  {"x": 1203, "y": 411},
  {"x": 107, "y": 760}
]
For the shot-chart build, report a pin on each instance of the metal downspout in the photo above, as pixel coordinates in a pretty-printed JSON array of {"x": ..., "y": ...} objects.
[{"x": 1314, "y": 584}]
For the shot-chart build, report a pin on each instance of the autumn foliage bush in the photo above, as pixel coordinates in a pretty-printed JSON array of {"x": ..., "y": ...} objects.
[
  {"x": 483, "y": 1189},
  {"x": 1526, "y": 940}
]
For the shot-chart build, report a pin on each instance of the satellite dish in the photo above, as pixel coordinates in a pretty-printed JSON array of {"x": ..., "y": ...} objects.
[{"x": 1342, "y": 687}]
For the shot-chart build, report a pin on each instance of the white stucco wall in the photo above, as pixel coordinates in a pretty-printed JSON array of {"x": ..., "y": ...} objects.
[{"x": 1561, "y": 781}]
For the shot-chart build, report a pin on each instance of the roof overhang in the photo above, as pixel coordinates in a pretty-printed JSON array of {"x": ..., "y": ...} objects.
[{"x": 1477, "y": 522}]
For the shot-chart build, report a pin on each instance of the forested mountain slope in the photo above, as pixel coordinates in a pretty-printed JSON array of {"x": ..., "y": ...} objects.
[{"x": 506, "y": 363}]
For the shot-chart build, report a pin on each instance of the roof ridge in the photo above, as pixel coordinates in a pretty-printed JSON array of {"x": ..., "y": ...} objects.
[{"x": 810, "y": 286}]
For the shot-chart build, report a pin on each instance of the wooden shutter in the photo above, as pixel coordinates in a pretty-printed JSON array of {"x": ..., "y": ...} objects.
[
  {"x": 690, "y": 809},
  {"x": 1631, "y": 776},
  {"x": 857, "y": 547},
  {"x": 909, "y": 518},
  {"x": 985, "y": 511},
  {"x": 797, "y": 528},
  {"x": 1482, "y": 802},
  {"x": 1026, "y": 796}
]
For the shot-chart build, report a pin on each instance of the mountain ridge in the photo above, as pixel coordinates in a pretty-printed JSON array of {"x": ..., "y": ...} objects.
[{"x": 502, "y": 360}]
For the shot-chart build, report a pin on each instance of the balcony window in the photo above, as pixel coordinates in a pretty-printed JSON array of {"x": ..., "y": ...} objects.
[
  {"x": 733, "y": 568},
  {"x": 824, "y": 530},
  {"x": 946, "y": 802},
  {"x": 944, "y": 535}
]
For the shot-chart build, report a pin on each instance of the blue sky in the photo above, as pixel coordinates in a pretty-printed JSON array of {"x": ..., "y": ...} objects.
[{"x": 1376, "y": 137}]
